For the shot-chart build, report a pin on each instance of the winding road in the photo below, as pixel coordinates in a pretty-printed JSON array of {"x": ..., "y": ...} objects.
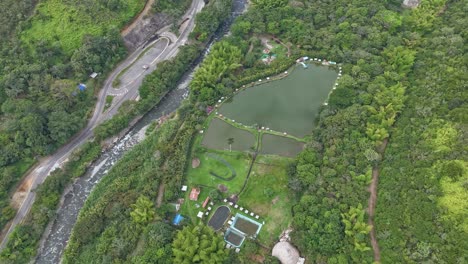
[{"x": 163, "y": 48}]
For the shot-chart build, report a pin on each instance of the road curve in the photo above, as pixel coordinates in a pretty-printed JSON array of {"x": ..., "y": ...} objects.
[{"x": 47, "y": 164}]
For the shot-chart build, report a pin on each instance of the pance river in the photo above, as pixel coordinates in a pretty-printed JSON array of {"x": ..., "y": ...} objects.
[{"x": 57, "y": 234}]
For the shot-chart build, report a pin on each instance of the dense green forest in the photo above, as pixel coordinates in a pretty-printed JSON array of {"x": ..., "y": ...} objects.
[
  {"x": 45, "y": 52},
  {"x": 404, "y": 83}
]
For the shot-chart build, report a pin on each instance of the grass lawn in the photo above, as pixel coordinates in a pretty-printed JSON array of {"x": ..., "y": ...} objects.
[
  {"x": 201, "y": 176},
  {"x": 66, "y": 22},
  {"x": 267, "y": 195},
  {"x": 109, "y": 100},
  {"x": 278, "y": 49},
  {"x": 19, "y": 168}
]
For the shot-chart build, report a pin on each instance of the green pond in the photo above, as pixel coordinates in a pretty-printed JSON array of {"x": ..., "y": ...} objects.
[
  {"x": 283, "y": 146},
  {"x": 218, "y": 133},
  {"x": 287, "y": 105}
]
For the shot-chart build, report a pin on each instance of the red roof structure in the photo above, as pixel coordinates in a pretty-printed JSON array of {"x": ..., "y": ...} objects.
[
  {"x": 194, "y": 194},
  {"x": 206, "y": 201}
]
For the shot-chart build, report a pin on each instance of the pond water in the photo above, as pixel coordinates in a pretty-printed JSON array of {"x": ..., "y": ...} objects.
[
  {"x": 283, "y": 146},
  {"x": 287, "y": 105},
  {"x": 218, "y": 133}
]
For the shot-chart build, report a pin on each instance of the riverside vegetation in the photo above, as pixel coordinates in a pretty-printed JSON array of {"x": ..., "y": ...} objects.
[
  {"x": 403, "y": 88},
  {"x": 24, "y": 240}
]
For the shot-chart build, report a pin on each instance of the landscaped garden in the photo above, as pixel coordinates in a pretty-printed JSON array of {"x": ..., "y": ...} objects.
[
  {"x": 220, "y": 168},
  {"x": 240, "y": 157}
]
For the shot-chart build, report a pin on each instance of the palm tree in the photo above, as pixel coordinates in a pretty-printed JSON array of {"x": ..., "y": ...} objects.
[
  {"x": 230, "y": 142},
  {"x": 143, "y": 211}
]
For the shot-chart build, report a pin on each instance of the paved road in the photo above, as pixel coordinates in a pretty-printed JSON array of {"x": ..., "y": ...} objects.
[{"x": 162, "y": 50}]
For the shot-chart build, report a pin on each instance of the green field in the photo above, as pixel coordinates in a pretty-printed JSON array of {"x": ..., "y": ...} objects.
[
  {"x": 278, "y": 145},
  {"x": 66, "y": 22},
  {"x": 218, "y": 133},
  {"x": 202, "y": 176},
  {"x": 267, "y": 195}
]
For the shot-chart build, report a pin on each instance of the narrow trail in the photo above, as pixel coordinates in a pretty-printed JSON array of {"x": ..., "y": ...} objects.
[
  {"x": 159, "y": 199},
  {"x": 254, "y": 157},
  {"x": 140, "y": 16},
  {"x": 373, "y": 202}
]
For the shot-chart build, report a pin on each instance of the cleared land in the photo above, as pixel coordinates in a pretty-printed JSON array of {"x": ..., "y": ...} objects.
[
  {"x": 267, "y": 194},
  {"x": 219, "y": 132},
  {"x": 283, "y": 146},
  {"x": 67, "y": 22}
]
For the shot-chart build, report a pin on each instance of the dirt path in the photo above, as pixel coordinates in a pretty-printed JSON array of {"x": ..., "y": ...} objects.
[
  {"x": 373, "y": 202},
  {"x": 160, "y": 197},
  {"x": 138, "y": 18}
]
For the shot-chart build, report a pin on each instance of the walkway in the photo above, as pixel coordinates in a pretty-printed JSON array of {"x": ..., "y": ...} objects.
[{"x": 373, "y": 202}]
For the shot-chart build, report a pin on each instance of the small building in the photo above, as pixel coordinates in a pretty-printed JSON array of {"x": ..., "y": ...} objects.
[
  {"x": 206, "y": 201},
  {"x": 200, "y": 214},
  {"x": 177, "y": 219},
  {"x": 184, "y": 188},
  {"x": 93, "y": 75},
  {"x": 194, "y": 194}
]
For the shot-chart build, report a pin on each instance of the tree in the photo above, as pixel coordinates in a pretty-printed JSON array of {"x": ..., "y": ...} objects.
[
  {"x": 198, "y": 244},
  {"x": 230, "y": 142},
  {"x": 143, "y": 211}
]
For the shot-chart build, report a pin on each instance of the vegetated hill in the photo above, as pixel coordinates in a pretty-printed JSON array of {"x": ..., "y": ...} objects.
[
  {"x": 43, "y": 61},
  {"x": 391, "y": 59}
]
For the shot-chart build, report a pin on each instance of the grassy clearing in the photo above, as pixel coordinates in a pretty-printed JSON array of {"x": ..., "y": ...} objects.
[
  {"x": 66, "y": 22},
  {"x": 279, "y": 49},
  {"x": 109, "y": 100},
  {"x": 20, "y": 167},
  {"x": 267, "y": 195},
  {"x": 201, "y": 175}
]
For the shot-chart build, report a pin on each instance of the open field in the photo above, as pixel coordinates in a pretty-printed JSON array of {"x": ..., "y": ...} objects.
[
  {"x": 66, "y": 22},
  {"x": 267, "y": 194}
]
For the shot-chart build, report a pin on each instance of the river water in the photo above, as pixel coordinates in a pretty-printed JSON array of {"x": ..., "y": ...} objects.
[{"x": 57, "y": 235}]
